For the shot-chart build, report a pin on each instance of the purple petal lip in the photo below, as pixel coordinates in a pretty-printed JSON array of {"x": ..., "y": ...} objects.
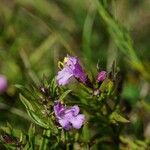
[
  {"x": 72, "y": 68},
  {"x": 101, "y": 76},
  {"x": 64, "y": 76},
  {"x": 77, "y": 121},
  {"x": 68, "y": 117},
  {"x": 3, "y": 84}
]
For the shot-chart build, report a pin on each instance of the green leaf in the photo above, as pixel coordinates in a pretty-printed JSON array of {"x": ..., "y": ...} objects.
[
  {"x": 5, "y": 129},
  {"x": 11, "y": 131},
  {"x": 115, "y": 117},
  {"x": 64, "y": 95},
  {"x": 26, "y": 103},
  {"x": 31, "y": 134},
  {"x": 31, "y": 112},
  {"x": 19, "y": 86},
  {"x": 132, "y": 143},
  {"x": 107, "y": 86},
  {"x": 44, "y": 142},
  {"x": 37, "y": 120},
  {"x": 86, "y": 133},
  {"x": 53, "y": 86}
]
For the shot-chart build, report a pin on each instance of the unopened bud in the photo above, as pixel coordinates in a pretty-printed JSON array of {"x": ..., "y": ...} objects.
[
  {"x": 3, "y": 84},
  {"x": 101, "y": 76}
]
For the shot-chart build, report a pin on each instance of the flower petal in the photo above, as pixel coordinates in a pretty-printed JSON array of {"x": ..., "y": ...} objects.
[
  {"x": 75, "y": 110},
  {"x": 64, "y": 76},
  {"x": 77, "y": 121},
  {"x": 58, "y": 109},
  {"x": 74, "y": 65},
  {"x": 65, "y": 123},
  {"x": 71, "y": 112},
  {"x": 71, "y": 61}
]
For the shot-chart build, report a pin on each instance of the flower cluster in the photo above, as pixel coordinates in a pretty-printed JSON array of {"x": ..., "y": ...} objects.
[{"x": 69, "y": 117}]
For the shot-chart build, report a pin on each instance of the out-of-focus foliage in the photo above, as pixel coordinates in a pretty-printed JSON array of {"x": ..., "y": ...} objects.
[{"x": 34, "y": 35}]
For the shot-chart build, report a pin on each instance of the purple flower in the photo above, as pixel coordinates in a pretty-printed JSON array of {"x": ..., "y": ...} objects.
[
  {"x": 71, "y": 69},
  {"x": 68, "y": 117},
  {"x": 3, "y": 84},
  {"x": 101, "y": 76}
]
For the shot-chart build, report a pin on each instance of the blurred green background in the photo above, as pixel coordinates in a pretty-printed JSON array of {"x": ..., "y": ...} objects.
[{"x": 34, "y": 35}]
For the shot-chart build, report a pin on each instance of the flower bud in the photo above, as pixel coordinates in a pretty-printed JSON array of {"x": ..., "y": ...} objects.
[
  {"x": 3, "y": 84},
  {"x": 101, "y": 76}
]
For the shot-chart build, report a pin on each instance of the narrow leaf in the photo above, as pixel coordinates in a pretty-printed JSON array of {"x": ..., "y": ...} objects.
[
  {"x": 64, "y": 95},
  {"x": 31, "y": 112},
  {"x": 115, "y": 117}
]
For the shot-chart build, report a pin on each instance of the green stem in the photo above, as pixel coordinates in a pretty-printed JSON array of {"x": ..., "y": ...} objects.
[{"x": 44, "y": 142}]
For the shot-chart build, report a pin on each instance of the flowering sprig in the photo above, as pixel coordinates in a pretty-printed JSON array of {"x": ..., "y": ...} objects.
[
  {"x": 71, "y": 68},
  {"x": 99, "y": 102}
]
